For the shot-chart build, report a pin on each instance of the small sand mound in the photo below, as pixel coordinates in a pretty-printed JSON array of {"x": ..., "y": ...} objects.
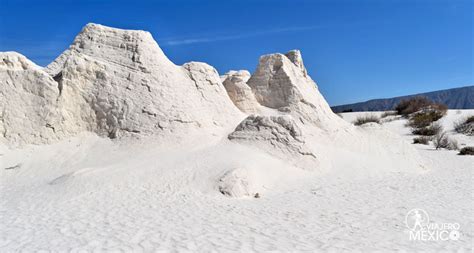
[{"x": 238, "y": 183}]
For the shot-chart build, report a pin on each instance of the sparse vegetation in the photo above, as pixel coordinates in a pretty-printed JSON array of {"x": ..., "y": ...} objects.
[
  {"x": 388, "y": 113},
  {"x": 467, "y": 151},
  {"x": 422, "y": 114},
  {"x": 442, "y": 140},
  {"x": 426, "y": 117},
  {"x": 416, "y": 104},
  {"x": 366, "y": 119},
  {"x": 409, "y": 106},
  {"x": 430, "y": 130},
  {"x": 466, "y": 126},
  {"x": 421, "y": 140}
]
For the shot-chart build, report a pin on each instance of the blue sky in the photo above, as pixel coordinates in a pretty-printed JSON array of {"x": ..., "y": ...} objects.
[{"x": 354, "y": 50}]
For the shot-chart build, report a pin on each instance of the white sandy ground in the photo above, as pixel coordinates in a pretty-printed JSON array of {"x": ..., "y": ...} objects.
[{"x": 91, "y": 194}]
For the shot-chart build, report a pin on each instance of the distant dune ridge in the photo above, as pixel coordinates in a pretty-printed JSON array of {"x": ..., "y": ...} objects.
[{"x": 456, "y": 98}]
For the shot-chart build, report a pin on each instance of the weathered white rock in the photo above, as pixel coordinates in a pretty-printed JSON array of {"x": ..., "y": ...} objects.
[
  {"x": 281, "y": 82},
  {"x": 208, "y": 84},
  {"x": 130, "y": 86},
  {"x": 288, "y": 101},
  {"x": 235, "y": 82},
  {"x": 295, "y": 57},
  {"x": 132, "y": 49},
  {"x": 119, "y": 82},
  {"x": 278, "y": 135},
  {"x": 27, "y": 100}
]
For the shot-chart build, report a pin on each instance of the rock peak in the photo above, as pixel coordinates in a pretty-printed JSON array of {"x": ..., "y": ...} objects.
[
  {"x": 281, "y": 82},
  {"x": 134, "y": 48},
  {"x": 109, "y": 36},
  {"x": 93, "y": 27},
  {"x": 295, "y": 57},
  {"x": 16, "y": 61}
]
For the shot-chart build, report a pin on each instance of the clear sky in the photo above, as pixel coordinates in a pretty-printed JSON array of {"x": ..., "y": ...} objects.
[{"x": 354, "y": 50}]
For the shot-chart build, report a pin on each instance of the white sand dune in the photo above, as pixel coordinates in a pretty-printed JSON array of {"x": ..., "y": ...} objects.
[{"x": 93, "y": 194}]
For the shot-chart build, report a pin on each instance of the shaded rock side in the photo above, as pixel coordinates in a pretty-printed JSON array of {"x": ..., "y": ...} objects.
[{"x": 235, "y": 82}]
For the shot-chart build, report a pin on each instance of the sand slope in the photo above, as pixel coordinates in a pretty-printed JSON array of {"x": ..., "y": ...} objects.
[{"x": 94, "y": 194}]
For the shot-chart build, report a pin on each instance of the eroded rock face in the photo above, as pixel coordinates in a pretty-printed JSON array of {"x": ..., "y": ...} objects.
[
  {"x": 131, "y": 87},
  {"x": 27, "y": 100},
  {"x": 132, "y": 49},
  {"x": 278, "y": 135},
  {"x": 295, "y": 57},
  {"x": 116, "y": 82},
  {"x": 288, "y": 101},
  {"x": 282, "y": 83},
  {"x": 235, "y": 82},
  {"x": 208, "y": 84}
]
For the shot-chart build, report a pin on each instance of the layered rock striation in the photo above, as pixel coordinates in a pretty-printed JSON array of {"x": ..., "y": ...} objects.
[{"x": 113, "y": 82}]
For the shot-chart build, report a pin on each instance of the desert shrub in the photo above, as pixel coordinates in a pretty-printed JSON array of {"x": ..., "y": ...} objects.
[
  {"x": 421, "y": 140},
  {"x": 425, "y": 117},
  {"x": 430, "y": 130},
  {"x": 439, "y": 107},
  {"x": 388, "y": 113},
  {"x": 470, "y": 119},
  {"x": 416, "y": 104},
  {"x": 411, "y": 105},
  {"x": 366, "y": 119},
  {"x": 466, "y": 126},
  {"x": 442, "y": 140},
  {"x": 467, "y": 151}
]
